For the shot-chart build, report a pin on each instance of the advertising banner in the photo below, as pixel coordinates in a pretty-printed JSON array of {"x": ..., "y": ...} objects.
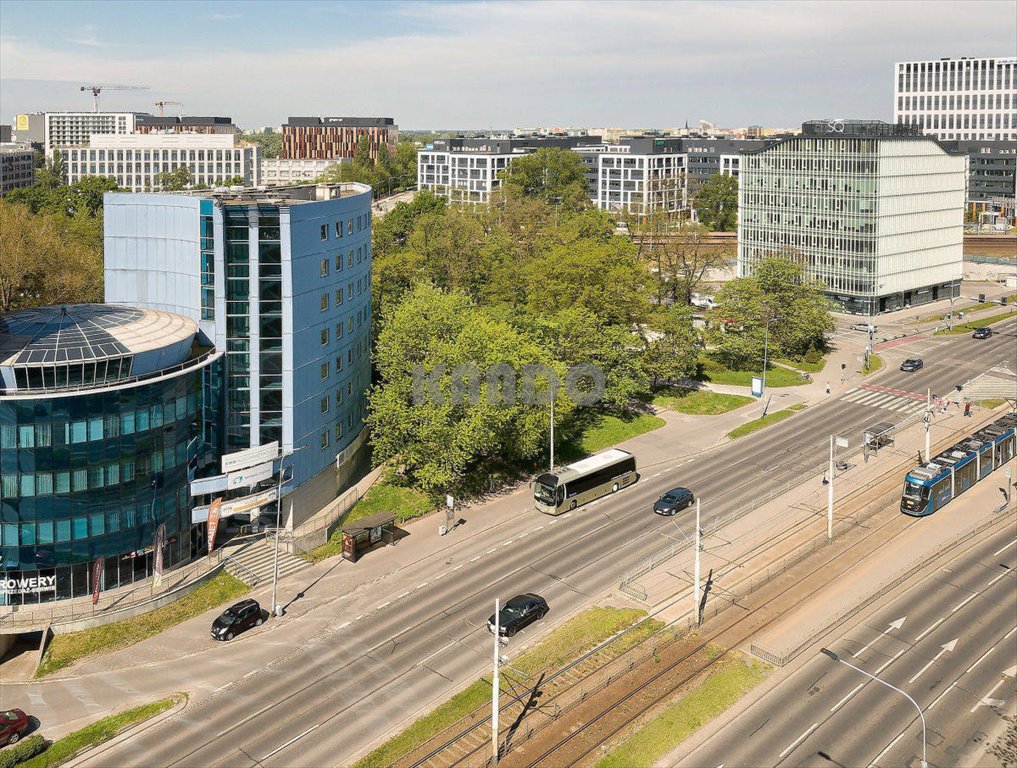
[
  {"x": 97, "y": 578},
  {"x": 248, "y": 458},
  {"x": 26, "y": 585},
  {"x": 160, "y": 543},
  {"x": 249, "y": 476},
  {"x": 213, "y": 523}
]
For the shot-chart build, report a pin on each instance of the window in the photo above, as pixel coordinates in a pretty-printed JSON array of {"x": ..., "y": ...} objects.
[
  {"x": 339, "y": 262},
  {"x": 324, "y": 370},
  {"x": 338, "y": 229},
  {"x": 324, "y": 336},
  {"x": 324, "y": 267},
  {"x": 338, "y": 363},
  {"x": 339, "y": 297},
  {"x": 349, "y": 290},
  {"x": 338, "y": 432},
  {"x": 338, "y": 397},
  {"x": 338, "y": 330},
  {"x": 324, "y": 404},
  {"x": 324, "y": 302},
  {"x": 324, "y": 231},
  {"x": 349, "y": 259},
  {"x": 360, "y": 255},
  {"x": 324, "y": 439},
  {"x": 349, "y": 227}
]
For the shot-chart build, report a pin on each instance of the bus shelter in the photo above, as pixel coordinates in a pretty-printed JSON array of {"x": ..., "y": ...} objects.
[
  {"x": 876, "y": 436},
  {"x": 366, "y": 533}
]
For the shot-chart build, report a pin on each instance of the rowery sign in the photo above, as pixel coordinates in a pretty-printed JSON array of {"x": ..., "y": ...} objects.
[{"x": 30, "y": 585}]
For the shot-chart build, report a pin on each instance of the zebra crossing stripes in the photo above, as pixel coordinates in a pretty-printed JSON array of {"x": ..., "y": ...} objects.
[{"x": 887, "y": 401}]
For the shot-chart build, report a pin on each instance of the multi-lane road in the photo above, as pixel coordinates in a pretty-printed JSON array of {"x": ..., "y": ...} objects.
[
  {"x": 330, "y": 691},
  {"x": 948, "y": 642}
]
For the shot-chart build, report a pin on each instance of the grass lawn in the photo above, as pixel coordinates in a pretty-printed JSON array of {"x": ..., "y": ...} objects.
[
  {"x": 770, "y": 418},
  {"x": 405, "y": 502},
  {"x": 66, "y": 649},
  {"x": 566, "y": 643},
  {"x": 803, "y": 365},
  {"x": 711, "y": 369},
  {"x": 969, "y": 327},
  {"x": 62, "y": 750},
  {"x": 610, "y": 429},
  {"x": 990, "y": 404},
  {"x": 700, "y": 402},
  {"x": 724, "y": 686},
  {"x": 875, "y": 363}
]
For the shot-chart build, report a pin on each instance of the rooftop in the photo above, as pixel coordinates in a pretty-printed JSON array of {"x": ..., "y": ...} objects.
[
  {"x": 283, "y": 195},
  {"x": 344, "y": 122}
]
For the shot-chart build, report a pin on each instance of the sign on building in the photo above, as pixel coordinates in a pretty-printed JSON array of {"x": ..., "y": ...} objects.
[
  {"x": 248, "y": 477},
  {"x": 249, "y": 457}
]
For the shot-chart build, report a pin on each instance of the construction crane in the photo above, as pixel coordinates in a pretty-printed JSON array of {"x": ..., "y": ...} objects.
[
  {"x": 97, "y": 89},
  {"x": 162, "y": 106}
]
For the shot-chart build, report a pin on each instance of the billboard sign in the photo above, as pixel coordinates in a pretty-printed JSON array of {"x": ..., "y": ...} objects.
[
  {"x": 248, "y": 477},
  {"x": 757, "y": 386},
  {"x": 248, "y": 458},
  {"x": 29, "y": 585}
]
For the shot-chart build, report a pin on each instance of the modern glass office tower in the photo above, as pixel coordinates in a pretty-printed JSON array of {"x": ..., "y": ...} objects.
[
  {"x": 105, "y": 413},
  {"x": 874, "y": 211},
  {"x": 280, "y": 279}
]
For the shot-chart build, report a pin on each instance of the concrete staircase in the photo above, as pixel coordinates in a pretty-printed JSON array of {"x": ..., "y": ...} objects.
[{"x": 253, "y": 564}]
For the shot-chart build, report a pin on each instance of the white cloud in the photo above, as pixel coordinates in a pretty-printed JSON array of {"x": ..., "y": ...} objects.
[
  {"x": 503, "y": 64},
  {"x": 224, "y": 16}
]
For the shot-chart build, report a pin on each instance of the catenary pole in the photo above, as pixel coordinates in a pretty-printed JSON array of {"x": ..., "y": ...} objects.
[
  {"x": 494, "y": 684},
  {"x": 696, "y": 590},
  {"x": 928, "y": 422},
  {"x": 829, "y": 496}
]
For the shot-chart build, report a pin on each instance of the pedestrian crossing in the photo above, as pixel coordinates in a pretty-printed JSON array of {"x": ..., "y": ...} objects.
[{"x": 887, "y": 401}]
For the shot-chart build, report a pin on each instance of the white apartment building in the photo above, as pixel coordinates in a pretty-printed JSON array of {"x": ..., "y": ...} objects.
[
  {"x": 966, "y": 98},
  {"x": 280, "y": 170},
  {"x": 874, "y": 211},
  {"x": 70, "y": 129},
  {"x": 134, "y": 160},
  {"x": 637, "y": 176}
]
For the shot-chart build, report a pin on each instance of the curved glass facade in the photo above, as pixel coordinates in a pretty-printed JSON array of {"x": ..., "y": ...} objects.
[{"x": 91, "y": 475}]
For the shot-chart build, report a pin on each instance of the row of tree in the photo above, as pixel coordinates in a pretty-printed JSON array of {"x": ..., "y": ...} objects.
[{"x": 539, "y": 278}]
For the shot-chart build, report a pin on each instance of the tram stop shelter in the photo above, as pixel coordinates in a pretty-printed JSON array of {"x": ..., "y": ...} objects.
[
  {"x": 879, "y": 435},
  {"x": 367, "y": 532}
]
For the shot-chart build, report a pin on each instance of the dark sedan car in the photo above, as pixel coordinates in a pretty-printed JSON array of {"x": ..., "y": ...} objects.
[
  {"x": 673, "y": 501},
  {"x": 237, "y": 618},
  {"x": 982, "y": 333},
  {"x": 912, "y": 364},
  {"x": 519, "y": 612},
  {"x": 14, "y": 724}
]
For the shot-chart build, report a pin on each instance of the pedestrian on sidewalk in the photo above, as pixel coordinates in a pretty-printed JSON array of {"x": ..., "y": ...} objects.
[
  {"x": 827, "y": 387},
  {"x": 967, "y": 407}
]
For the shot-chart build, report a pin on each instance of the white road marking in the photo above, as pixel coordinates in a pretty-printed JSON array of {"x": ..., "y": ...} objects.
[
  {"x": 1004, "y": 547},
  {"x": 252, "y": 672},
  {"x": 799, "y": 740},
  {"x": 400, "y": 597},
  {"x": 492, "y": 550},
  {"x": 457, "y": 567},
  {"x": 964, "y": 602},
  {"x": 386, "y": 604},
  {"x": 538, "y": 528},
  {"x": 1002, "y": 575},
  {"x": 422, "y": 584},
  {"x": 280, "y": 749},
  {"x": 941, "y": 696},
  {"x": 344, "y": 625},
  {"x": 840, "y": 703},
  {"x": 943, "y": 649},
  {"x": 1007, "y": 635},
  {"x": 893, "y": 625},
  {"x": 510, "y": 541},
  {"x": 888, "y": 748},
  {"x": 988, "y": 701},
  {"x": 567, "y": 515},
  {"x": 475, "y": 559},
  {"x": 979, "y": 660},
  {"x": 935, "y": 624}
]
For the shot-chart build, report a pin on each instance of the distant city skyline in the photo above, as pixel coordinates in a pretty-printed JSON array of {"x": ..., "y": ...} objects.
[{"x": 492, "y": 65}]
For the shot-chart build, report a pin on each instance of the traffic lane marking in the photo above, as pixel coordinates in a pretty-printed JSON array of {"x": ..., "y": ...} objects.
[
  {"x": 1004, "y": 548},
  {"x": 798, "y": 741},
  {"x": 295, "y": 738}
]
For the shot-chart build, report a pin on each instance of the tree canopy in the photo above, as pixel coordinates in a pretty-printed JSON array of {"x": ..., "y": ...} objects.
[
  {"x": 551, "y": 174},
  {"x": 716, "y": 202}
]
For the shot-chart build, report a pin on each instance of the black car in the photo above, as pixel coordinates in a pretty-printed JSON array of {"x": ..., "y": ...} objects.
[
  {"x": 912, "y": 364},
  {"x": 237, "y": 618},
  {"x": 982, "y": 333},
  {"x": 519, "y": 612},
  {"x": 673, "y": 501}
]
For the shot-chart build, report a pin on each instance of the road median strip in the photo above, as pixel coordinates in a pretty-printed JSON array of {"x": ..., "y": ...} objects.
[{"x": 771, "y": 418}]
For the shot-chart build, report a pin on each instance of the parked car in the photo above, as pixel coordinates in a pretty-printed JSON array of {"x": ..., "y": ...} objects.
[
  {"x": 14, "y": 724},
  {"x": 674, "y": 501},
  {"x": 982, "y": 333},
  {"x": 912, "y": 364},
  {"x": 237, "y": 618},
  {"x": 519, "y": 612}
]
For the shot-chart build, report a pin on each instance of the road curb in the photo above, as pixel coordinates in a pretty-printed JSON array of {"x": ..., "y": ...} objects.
[{"x": 82, "y": 757}]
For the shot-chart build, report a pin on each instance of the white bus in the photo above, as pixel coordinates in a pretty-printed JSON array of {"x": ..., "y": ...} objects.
[{"x": 569, "y": 487}]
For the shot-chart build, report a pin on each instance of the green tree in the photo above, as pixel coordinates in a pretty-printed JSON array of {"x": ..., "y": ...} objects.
[
  {"x": 362, "y": 154},
  {"x": 443, "y": 440},
  {"x": 672, "y": 347},
  {"x": 681, "y": 257},
  {"x": 778, "y": 292},
  {"x": 716, "y": 202},
  {"x": 551, "y": 174},
  {"x": 269, "y": 142},
  {"x": 175, "y": 180},
  {"x": 391, "y": 231},
  {"x": 451, "y": 245}
]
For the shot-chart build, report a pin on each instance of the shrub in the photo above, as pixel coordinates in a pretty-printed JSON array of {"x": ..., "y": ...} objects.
[
  {"x": 813, "y": 355},
  {"x": 22, "y": 751}
]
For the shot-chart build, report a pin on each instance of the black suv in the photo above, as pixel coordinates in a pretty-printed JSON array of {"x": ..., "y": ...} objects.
[
  {"x": 519, "y": 612},
  {"x": 673, "y": 501},
  {"x": 982, "y": 333},
  {"x": 237, "y": 618},
  {"x": 912, "y": 364}
]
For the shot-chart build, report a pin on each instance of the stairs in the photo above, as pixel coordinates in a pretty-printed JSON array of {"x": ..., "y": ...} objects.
[{"x": 253, "y": 564}]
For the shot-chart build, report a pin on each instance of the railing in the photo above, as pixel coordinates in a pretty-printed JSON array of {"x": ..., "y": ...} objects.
[{"x": 317, "y": 532}]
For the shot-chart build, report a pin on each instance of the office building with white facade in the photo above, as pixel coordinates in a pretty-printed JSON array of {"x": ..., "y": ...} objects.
[
  {"x": 874, "y": 211},
  {"x": 71, "y": 129},
  {"x": 968, "y": 99},
  {"x": 281, "y": 170},
  {"x": 280, "y": 280},
  {"x": 135, "y": 160}
]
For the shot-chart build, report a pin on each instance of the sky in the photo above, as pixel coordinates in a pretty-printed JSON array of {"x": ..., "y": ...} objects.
[{"x": 487, "y": 65}]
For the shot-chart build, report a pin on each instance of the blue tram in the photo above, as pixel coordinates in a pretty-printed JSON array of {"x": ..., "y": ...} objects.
[{"x": 934, "y": 484}]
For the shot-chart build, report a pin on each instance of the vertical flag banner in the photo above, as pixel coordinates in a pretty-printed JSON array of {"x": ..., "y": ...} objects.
[
  {"x": 160, "y": 543},
  {"x": 97, "y": 578},
  {"x": 213, "y": 523}
]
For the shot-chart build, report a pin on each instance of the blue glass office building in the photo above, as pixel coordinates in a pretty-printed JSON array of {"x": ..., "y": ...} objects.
[
  {"x": 105, "y": 413},
  {"x": 280, "y": 279}
]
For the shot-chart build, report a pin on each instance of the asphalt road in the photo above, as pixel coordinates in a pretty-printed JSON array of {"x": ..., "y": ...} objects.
[
  {"x": 948, "y": 642},
  {"x": 323, "y": 700}
]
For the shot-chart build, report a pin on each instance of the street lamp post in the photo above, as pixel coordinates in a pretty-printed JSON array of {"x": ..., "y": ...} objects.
[
  {"x": 766, "y": 349},
  {"x": 835, "y": 657},
  {"x": 276, "y": 608}
]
